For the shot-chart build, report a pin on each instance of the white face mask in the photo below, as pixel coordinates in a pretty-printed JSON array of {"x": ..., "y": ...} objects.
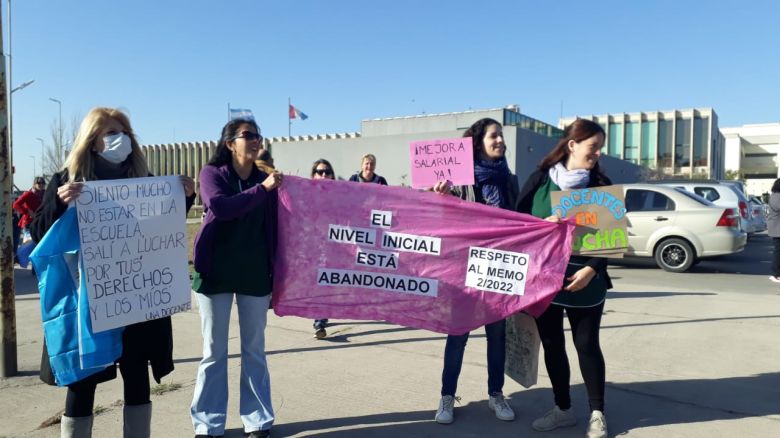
[{"x": 118, "y": 148}]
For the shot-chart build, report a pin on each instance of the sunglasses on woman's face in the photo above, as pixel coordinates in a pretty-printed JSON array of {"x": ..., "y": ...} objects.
[
  {"x": 323, "y": 172},
  {"x": 249, "y": 136}
]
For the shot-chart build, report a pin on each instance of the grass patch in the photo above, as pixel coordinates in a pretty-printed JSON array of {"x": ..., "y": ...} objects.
[
  {"x": 97, "y": 410},
  {"x": 162, "y": 388},
  {"x": 53, "y": 420}
]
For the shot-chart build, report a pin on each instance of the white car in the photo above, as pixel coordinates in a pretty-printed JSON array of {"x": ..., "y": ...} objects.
[
  {"x": 722, "y": 195},
  {"x": 678, "y": 228},
  {"x": 757, "y": 213}
]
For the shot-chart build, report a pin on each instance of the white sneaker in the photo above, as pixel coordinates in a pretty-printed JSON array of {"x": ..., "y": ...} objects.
[
  {"x": 554, "y": 419},
  {"x": 774, "y": 279},
  {"x": 598, "y": 425},
  {"x": 497, "y": 403},
  {"x": 445, "y": 414}
]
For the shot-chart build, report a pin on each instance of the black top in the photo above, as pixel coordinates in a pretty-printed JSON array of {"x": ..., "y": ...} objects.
[
  {"x": 358, "y": 177},
  {"x": 525, "y": 201}
]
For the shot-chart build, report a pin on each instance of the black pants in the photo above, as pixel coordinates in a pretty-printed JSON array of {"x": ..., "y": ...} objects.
[
  {"x": 135, "y": 374},
  {"x": 585, "y": 323},
  {"x": 776, "y": 257}
]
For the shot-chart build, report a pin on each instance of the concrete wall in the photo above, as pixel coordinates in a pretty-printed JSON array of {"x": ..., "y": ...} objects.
[
  {"x": 425, "y": 124},
  {"x": 525, "y": 149}
]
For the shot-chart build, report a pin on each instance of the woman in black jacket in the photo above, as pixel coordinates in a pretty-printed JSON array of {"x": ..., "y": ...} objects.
[
  {"x": 106, "y": 148},
  {"x": 572, "y": 164}
]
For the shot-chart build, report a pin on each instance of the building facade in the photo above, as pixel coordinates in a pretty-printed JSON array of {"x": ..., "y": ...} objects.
[
  {"x": 677, "y": 143},
  {"x": 752, "y": 154},
  {"x": 528, "y": 140}
]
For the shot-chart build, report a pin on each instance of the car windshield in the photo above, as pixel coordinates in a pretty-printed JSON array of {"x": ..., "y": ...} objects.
[{"x": 695, "y": 197}]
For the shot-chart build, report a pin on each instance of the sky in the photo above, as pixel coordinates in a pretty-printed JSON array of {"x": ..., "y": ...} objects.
[{"x": 175, "y": 65}]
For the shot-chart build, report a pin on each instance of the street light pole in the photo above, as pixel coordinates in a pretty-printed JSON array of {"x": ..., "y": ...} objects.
[
  {"x": 59, "y": 130},
  {"x": 43, "y": 157},
  {"x": 8, "y": 353},
  {"x": 10, "y": 98}
]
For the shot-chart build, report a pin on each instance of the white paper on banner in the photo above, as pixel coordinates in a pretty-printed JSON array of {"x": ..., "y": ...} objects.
[
  {"x": 134, "y": 249},
  {"x": 494, "y": 270}
]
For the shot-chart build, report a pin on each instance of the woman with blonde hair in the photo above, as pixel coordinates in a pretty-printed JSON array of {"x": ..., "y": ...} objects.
[
  {"x": 105, "y": 148},
  {"x": 366, "y": 173}
]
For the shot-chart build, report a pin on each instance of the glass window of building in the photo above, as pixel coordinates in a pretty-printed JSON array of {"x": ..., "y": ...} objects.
[
  {"x": 648, "y": 144},
  {"x": 615, "y": 146},
  {"x": 682, "y": 144},
  {"x": 701, "y": 136},
  {"x": 665, "y": 143},
  {"x": 631, "y": 149}
]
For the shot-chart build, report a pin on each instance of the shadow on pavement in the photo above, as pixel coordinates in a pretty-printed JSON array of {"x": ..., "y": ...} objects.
[
  {"x": 25, "y": 283},
  {"x": 688, "y": 321},
  {"x": 332, "y": 346},
  {"x": 630, "y": 406},
  {"x": 755, "y": 259},
  {"x": 613, "y": 295}
]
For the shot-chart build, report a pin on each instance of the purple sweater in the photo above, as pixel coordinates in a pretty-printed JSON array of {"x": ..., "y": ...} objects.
[{"x": 219, "y": 190}]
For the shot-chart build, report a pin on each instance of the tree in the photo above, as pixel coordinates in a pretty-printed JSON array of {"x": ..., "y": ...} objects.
[
  {"x": 61, "y": 144},
  {"x": 734, "y": 175}
]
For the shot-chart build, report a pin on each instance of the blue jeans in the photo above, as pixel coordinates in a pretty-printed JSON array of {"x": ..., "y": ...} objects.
[
  {"x": 453, "y": 359},
  {"x": 209, "y": 404}
]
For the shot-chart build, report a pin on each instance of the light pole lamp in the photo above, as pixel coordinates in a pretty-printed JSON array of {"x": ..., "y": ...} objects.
[
  {"x": 23, "y": 85},
  {"x": 43, "y": 157},
  {"x": 59, "y": 130}
]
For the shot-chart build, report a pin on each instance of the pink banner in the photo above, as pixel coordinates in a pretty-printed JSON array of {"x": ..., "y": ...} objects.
[
  {"x": 418, "y": 259},
  {"x": 449, "y": 159}
]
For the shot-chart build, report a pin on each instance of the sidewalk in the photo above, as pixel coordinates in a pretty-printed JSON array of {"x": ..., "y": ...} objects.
[{"x": 680, "y": 363}]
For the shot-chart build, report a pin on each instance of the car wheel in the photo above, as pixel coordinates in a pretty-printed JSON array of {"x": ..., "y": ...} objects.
[{"x": 674, "y": 255}]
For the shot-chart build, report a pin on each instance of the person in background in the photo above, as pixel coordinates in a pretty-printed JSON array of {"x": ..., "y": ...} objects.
[
  {"x": 497, "y": 187},
  {"x": 106, "y": 148},
  {"x": 321, "y": 169},
  {"x": 366, "y": 173},
  {"x": 27, "y": 204},
  {"x": 17, "y": 230},
  {"x": 265, "y": 161},
  {"x": 773, "y": 229},
  {"x": 233, "y": 256},
  {"x": 572, "y": 164}
]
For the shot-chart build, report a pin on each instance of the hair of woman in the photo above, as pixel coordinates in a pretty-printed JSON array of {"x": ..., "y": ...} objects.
[
  {"x": 80, "y": 162},
  {"x": 776, "y": 186},
  {"x": 579, "y": 130},
  {"x": 223, "y": 155},
  {"x": 322, "y": 161},
  {"x": 477, "y": 133}
]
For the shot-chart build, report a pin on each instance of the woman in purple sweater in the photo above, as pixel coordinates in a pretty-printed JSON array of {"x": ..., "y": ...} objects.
[{"x": 233, "y": 255}]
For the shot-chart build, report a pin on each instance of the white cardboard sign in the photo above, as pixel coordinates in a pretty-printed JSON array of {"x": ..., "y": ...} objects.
[{"x": 133, "y": 249}]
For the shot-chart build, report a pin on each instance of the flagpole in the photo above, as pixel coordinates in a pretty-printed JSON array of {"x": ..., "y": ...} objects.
[{"x": 289, "y": 119}]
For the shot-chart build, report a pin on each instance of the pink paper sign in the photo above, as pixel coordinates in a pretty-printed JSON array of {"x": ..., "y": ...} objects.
[
  {"x": 442, "y": 159},
  {"x": 419, "y": 259}
]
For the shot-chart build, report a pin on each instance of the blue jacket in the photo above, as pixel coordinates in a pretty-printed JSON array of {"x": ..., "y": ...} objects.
[{"x": 74, "y": 351}]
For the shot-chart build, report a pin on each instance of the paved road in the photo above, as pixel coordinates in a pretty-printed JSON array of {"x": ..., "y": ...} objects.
[{"x": 743, "y": 272}]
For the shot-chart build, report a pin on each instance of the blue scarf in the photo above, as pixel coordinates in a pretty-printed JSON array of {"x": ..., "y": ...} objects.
[{"x": 491, "y": 179}]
